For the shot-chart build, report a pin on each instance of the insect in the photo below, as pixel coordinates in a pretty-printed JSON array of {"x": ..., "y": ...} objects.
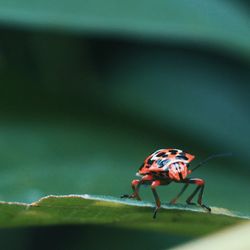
[{"x": 165, "y": 166}]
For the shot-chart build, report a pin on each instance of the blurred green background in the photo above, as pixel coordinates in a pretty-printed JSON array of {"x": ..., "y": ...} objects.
[{"x": 89, "y": 88}]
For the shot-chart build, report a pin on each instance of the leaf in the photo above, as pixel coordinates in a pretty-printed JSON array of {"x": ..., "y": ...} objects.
[
  {"x": 101, "y": 221},
  {"x": 219, "y": 23},
  {"x": 101, "y": 210}
]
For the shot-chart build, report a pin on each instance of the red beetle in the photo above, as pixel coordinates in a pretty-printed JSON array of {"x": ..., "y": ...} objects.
[{"x": 165, "y": 166}]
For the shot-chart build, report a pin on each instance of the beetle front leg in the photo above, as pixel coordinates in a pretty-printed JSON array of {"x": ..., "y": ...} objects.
[
  {"x": 156, "y": 196},
  {"x": 135, "y": 184}
]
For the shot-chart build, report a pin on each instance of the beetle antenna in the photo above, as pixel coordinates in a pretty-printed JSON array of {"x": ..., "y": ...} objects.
[{"x": 210, "y": 158}]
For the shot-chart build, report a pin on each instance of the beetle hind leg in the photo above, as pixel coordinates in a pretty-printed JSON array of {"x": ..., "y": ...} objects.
[
  {"x": 190, "y": 198},
  {"x": 200, "y": 188},
  {"x": 200, "y": 199},
  {"x": 173, "y": 201}
]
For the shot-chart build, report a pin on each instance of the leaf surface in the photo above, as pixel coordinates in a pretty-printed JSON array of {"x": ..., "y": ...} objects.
[{"x": 114, "y": 212}]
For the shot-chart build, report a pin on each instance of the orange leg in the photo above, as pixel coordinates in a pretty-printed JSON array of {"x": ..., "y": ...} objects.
[
  {"x": 173, "y": 201},
  {"x": 156, "y": 196},
  {"x": 200, "y": 188},
  {"x": 135, "y": 184},
  {"x": 155, "y": 184}
]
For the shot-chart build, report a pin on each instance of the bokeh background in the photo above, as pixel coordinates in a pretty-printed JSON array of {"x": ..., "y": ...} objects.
[{"x": 89, "y": 88}]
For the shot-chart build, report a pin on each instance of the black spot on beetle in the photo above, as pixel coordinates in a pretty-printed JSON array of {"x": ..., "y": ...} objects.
[
  {"x": 182, "y": 157},
  {"x": 150, "y": 162},
  {"x": 166, "y": 155},
  {"x": 161, "y": 154},
  {"x": 173, "y": 151},
  {"x": 182, "y": 153}
]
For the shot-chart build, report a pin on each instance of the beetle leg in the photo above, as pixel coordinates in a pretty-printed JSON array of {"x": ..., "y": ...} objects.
[
  {"x": 189, "y": 199},
  {"x": 200, "y": 199},
  {"x": 135, "y": 184},
  {"x": 173, "y": 201},
  {"x": 200, "y": 187},
  {"x": 156, "y": 196},
  {"x": 147, "y": 179}
]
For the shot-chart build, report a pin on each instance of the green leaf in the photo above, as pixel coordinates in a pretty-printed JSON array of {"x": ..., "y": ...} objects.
[
  {"x": 218, "y": 23},
  {"x": 95, "y": 222},
  {"x": 101, "y": 210}
]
